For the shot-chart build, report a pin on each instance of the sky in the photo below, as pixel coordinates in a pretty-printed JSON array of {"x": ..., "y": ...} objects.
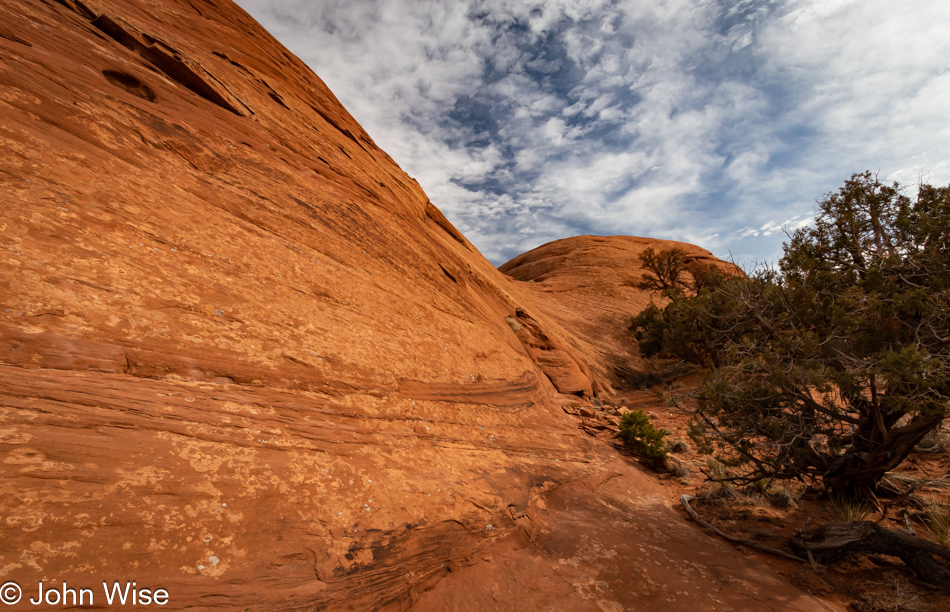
[{"x": 712, "y": 122}]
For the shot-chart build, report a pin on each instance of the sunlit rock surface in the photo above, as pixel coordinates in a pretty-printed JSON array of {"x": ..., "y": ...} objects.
[{"x": 588, "y": 284}]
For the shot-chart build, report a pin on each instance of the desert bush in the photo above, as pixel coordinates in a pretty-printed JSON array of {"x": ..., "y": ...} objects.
[
  {"x": 639, "y": 434},
  {"x": 704, "y": 275},
  {"x": 663, "y": 271},
  {"x": 669, "y": 271}
]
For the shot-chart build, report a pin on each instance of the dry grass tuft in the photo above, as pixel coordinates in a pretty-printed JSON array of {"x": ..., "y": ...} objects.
[
  {"x": 717, "y": 470},
  {"x": 937, "y": 523},
  {"x": 934, "y": 442},
  {"x": 676, "y": 467},
  {"x": 849, "y": 509}
]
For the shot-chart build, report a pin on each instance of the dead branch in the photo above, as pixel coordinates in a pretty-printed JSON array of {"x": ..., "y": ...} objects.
[{"x": 685, "y": 499}]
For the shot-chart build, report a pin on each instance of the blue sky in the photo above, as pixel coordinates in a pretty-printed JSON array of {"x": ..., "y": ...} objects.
[{"x": 712, "y": 122}]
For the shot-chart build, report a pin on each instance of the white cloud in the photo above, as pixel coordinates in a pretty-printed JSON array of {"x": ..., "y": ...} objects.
[{"x": 528, "y": 121}]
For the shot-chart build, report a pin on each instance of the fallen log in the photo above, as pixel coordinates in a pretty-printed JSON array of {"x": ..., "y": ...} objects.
[{"x": 838, "y": 539}]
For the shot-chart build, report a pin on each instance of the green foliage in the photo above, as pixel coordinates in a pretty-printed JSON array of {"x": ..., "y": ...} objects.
[
  {"x": 704, "y": 275},
  {"x": 834, "y": 365},
  {"x": 698, "y": 432},
  {"x": 638, "y": 433}
]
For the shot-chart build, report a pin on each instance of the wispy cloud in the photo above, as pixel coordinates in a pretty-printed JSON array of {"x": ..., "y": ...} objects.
[{"x": 703, "y": 121}]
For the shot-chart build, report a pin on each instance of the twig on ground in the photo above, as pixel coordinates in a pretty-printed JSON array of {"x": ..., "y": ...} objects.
[{"x": 685, "y": 499}]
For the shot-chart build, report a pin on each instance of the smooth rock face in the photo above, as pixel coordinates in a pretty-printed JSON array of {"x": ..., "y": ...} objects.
[
  {"x": 242, "y": 357},
  {"x": 588, "y": 284}
]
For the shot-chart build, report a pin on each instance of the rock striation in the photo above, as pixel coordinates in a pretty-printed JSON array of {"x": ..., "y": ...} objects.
[{"x": 244, "y": 359}]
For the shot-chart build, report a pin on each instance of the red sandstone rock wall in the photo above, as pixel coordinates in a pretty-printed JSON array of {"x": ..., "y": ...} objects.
[{"x": 237, "y": 343}]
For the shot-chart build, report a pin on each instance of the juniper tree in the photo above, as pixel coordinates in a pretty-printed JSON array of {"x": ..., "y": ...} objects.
[{"x": 833, "y": 366}]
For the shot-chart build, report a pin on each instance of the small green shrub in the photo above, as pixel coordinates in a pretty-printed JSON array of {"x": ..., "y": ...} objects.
[{"x": 638, "y": 433}]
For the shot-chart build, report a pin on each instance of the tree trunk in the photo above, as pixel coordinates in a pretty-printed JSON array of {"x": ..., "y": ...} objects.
[
  {"x": 863, "y": 465},
  {"x": 835, "y": 540}
]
